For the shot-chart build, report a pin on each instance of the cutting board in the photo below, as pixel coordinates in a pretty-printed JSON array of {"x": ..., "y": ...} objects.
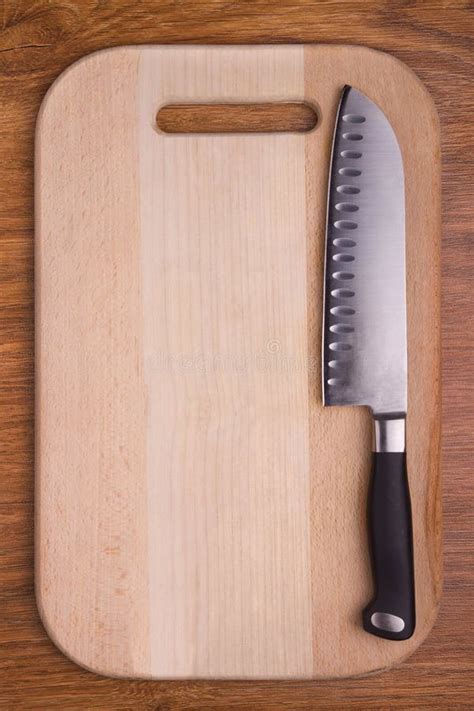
[{"x": 199, "y": 513}]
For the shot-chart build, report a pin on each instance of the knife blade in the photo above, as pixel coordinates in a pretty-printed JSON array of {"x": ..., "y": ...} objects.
[{"x": 364, "y": 337}]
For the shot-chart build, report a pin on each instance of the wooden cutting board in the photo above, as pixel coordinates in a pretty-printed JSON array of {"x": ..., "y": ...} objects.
[{"x": 199, "y": 513}]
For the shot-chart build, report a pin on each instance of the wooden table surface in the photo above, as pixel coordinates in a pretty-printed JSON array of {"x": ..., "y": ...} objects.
[{"x": 38, "y": 40}]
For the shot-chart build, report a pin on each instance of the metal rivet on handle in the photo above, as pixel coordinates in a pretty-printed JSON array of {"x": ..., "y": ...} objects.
[{"x": 388, "y": 622}]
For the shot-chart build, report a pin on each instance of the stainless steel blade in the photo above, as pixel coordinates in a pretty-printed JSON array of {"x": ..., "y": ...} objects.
[{"x": 364, "y": 349}]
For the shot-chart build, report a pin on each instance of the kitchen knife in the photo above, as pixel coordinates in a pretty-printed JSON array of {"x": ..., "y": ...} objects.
[{"x": 364, "y": 334}]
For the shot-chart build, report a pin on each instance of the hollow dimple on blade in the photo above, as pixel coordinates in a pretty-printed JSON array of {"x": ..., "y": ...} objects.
[{"x": 364, "y": 349}]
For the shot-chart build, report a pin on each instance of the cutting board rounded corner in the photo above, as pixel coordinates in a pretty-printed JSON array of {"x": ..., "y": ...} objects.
[
  {"x": 391, "y": 66},
  {"x": 72, "y": 73},
  {"x": 64, "y": 645},
  {"x": 67, "y": 645}
]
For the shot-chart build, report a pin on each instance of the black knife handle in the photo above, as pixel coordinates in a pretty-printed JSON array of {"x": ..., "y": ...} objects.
[{"x": 391, "y": 614}]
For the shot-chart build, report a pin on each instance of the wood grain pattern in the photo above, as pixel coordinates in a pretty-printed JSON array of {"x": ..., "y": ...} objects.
[
  {"x": 98, "y": 353},
  {"x": 38, "y": 40},
  {"x": 201, "y": 512}
]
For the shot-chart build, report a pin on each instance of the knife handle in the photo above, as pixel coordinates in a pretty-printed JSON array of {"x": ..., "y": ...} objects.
[{"x": 391, "y": 614}]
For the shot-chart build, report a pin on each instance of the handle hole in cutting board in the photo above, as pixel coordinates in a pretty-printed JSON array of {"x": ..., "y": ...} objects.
[{"x": 279, "y": 117}]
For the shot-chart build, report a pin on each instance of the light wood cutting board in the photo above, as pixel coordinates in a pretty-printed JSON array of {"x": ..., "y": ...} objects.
[{"x": 199, "y": 513}]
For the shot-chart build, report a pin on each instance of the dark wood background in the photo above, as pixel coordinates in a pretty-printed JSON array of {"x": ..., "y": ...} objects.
[{"x": 38, "y": 40}]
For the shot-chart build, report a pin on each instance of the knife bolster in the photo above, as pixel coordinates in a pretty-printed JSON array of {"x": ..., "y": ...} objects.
[{"x": 389, "y": 434}]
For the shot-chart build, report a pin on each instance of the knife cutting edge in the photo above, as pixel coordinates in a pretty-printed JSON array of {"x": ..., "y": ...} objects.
[{"x": 364, "y": 337}]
